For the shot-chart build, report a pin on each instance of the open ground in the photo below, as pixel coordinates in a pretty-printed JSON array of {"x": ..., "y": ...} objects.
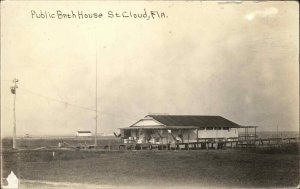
[{"x": 265, "y": 168}]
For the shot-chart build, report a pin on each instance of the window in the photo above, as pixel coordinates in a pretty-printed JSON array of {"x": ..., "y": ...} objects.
[
  {"x": 218, "y": 128},
  {"x": 226, "y": 128},
  {"x": 209, "y": 128}
]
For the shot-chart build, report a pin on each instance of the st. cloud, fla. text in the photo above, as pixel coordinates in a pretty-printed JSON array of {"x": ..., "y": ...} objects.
[{"x": 143, "y": 14}]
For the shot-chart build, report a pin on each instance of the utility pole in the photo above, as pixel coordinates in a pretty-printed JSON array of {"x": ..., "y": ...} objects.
[
  {"x": 277, "y": 133},
  {"x": 277, "y": 130},
  {"x": 96, "y": 97},
  {"x": 13, "y": 90}
]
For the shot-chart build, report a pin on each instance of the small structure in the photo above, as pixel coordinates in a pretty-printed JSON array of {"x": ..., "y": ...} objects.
[
  {"x": 83, "y": 134},
  {"x": 168, "y": 129},
  {"x": 12, "y": 181}
]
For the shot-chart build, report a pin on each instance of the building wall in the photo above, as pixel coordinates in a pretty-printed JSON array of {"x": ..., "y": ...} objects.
[
  {"x": 232, "y": 132},
  {"x": 191, "y": 135},
  {"x": 181, "y": 135}
]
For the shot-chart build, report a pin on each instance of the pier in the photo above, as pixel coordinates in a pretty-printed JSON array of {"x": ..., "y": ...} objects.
[{"x": 201, "y": 144}]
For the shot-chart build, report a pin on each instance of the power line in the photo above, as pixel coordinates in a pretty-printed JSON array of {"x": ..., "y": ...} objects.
[
  {"x": 57, "y": 100},
  {"x": 67, "y": 103}
]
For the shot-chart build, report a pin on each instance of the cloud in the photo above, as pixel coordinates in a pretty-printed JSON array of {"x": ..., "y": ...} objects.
[{"x": 268, "y": 12}]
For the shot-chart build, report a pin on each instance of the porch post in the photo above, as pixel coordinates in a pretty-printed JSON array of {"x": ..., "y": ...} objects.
[
  {"x": 197, "y": 139},
  {"x": 188, "y": 139},
  {"x": 255, "y": 135},
  {"x": 167, "y": 137}
]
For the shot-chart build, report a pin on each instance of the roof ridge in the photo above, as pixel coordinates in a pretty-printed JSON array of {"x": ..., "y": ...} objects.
[{"x": 194, "y": 120}]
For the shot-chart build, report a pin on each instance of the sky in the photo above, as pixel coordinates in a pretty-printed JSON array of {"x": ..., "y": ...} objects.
[{"x": 236, "y": 60}]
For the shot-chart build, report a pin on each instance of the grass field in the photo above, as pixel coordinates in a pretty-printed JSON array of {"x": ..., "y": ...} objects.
[{"x": 146, "y": 169}]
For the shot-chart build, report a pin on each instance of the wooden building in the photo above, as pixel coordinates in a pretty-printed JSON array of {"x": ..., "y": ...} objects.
[
  {"x": 83, "y": 134},
  {"x": 168, "y": 129}
]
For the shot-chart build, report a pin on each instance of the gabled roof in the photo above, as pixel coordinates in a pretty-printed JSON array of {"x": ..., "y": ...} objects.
[{"x": 194, "y": 120}]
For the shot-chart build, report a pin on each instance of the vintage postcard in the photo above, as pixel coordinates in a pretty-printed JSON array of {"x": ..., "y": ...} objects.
[{"x": 149, "y": 94}]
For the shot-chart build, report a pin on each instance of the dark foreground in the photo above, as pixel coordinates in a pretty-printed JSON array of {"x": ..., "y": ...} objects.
[{"x": 146, "y": 169}]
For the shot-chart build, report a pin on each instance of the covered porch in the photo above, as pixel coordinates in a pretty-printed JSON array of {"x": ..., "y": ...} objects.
[
  {"x": 159, "y": 135},
  {"x": 176, "y": 134}
]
